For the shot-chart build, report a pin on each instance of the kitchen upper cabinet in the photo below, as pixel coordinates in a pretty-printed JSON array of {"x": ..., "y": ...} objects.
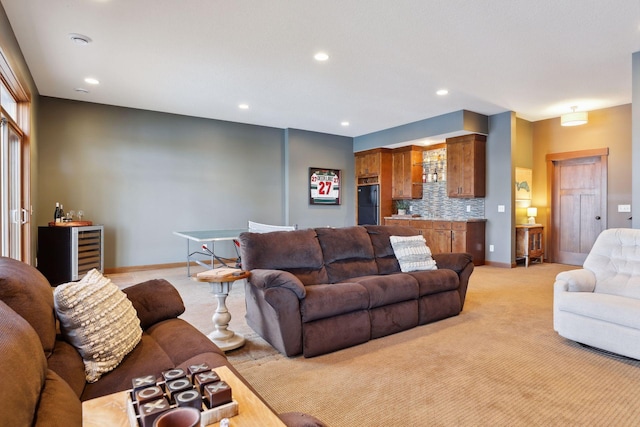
[
  {"x": 407, "y": 173},
  {"x": 368, "y": 163},
  {"x": 466, "y": 166}
]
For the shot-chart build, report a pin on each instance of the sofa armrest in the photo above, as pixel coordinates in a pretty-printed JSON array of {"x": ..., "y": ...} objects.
[
  {"x": 155, "y": 300},
  {"x": 453, "y": 261},
  {"x": 581, "y": 280},
  {"x": 263, "y": 278}
]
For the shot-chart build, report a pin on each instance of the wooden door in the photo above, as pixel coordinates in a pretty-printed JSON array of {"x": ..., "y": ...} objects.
[{"x": 578, "y": 203}]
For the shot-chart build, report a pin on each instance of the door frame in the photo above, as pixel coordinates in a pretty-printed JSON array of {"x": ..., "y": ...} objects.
[{"x": 551, "y": 159}]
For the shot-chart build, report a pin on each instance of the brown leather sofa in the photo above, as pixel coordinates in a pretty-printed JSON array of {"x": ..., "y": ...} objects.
[
  {"x": 319, "y": 290},
  {"x": 42, "y": 376}
]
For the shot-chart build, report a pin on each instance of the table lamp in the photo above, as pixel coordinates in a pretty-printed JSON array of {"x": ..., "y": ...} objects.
[{"x": 532, "y": 213}]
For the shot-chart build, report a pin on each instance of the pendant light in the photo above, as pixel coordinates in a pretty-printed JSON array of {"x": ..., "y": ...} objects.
[{"x": 574, "y": 118}]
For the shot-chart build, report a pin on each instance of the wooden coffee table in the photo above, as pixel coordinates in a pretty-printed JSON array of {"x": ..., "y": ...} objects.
[{"x": 111, "y": 410}]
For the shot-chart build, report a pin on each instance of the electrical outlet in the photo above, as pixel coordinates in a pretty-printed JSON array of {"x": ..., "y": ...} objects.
[
  {"x": 624, "y": 208},
  {"x": 410, "y": 208},
  {"x": 468, "y": 208},
  {"x": 500, "y": 208},
  {"x": 491, "y": 248}
]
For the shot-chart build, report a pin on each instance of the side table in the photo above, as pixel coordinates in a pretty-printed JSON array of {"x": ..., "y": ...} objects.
[
  {"x": 529, "y": 242},
  {"x": 221, "y": 280}
]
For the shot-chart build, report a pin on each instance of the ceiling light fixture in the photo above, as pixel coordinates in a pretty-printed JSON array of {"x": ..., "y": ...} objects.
[
  {"x": 321, "y": 56},
  {"x": 92, "y": 81},
  {"x": 243, "y": 106},
  {"x": 442, "y": 92},
  {"x": 80, "y": 39},
  {"x": 574, "y": 118},
  {"x": 345, "y": 123},
  {"x": 81, "y": 89}
]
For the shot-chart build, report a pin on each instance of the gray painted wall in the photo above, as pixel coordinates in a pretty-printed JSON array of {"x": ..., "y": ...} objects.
[
  {"x": 145, "y": 174},
  {"x": 451, "y": 124},
  {"x": 312, "y": 149},
  {"x": 500, "y": 230}
]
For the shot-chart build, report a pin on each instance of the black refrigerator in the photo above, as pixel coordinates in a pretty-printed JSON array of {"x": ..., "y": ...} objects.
[{"x": 368, "y": 201}]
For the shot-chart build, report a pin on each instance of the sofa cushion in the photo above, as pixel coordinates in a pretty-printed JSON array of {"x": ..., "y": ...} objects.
[
  {"x": 347, "y": 252},
  {"x": 384, "y": 256},
  {"x": 98, "y": 319},
  {"x": 23, "y": 369},
  {"x": 608, "y": 308},
  {"x": 331, "y": 300},
  {"x": 154, "y": 301},
  {"x": 297, "y": 252},
  {"x": 413, "y": 253},
  {"x": 28, "y": 293},
  {"x": 388, "y": 289},
  {"x": 67, "y": 363},
  {"x": 435, "y": 281},
  {"x": 59, "y": 406}
]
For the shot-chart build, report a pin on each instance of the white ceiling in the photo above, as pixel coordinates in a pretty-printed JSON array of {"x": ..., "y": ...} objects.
[{"x": 387, "y": 57}]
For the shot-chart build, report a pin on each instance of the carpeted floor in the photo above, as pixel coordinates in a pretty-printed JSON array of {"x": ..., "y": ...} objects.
[{"x": 499, "y": 363}]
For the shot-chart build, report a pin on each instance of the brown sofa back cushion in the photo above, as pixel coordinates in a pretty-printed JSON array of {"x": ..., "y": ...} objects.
[
  {"x": 23, "y": 369},
  {"x": 28, "y": 293},
  {"x": 347, "y": 252},
  {"x": 385, "y": 258},
  {"x": 297, "y": 252}
]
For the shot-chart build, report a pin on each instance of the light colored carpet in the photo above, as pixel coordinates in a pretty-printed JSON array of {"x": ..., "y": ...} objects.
[{"x": 498, "y": 363}]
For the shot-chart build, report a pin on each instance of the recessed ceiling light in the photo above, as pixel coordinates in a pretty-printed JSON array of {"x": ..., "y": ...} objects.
[
  {"x": 321, "y": 56},
  {"x": 442, "y": 92},
  {"x": 345, "y": 123},
  {"x": 80, "y": 39},
  {"x": 243, "y": 106},
  {"x": 92, "y": 81},
  {"x": 81, "y": 89}
]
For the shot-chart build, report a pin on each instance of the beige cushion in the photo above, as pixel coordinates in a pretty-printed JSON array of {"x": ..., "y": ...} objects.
[
  {"x": 98, "y": 319},
  {"x": 413, "y": 253}
]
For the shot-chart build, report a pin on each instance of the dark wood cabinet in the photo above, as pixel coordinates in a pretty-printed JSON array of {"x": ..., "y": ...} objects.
[
  {"x": 450, "y": 236},
  {"x": 407, "y": 173},
  {"x": 375, "y": 167},
  {"x": 466, "y": 166}
]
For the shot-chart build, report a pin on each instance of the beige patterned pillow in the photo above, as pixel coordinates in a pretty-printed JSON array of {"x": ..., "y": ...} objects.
[
  {"x": 98, "y": 319},
  {"x": 413, "y": 253}
]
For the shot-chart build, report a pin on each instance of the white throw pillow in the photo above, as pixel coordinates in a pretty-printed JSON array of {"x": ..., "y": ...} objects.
[
  {"x": 98, "y": 319},
  {"x": 413, "y": 253}
]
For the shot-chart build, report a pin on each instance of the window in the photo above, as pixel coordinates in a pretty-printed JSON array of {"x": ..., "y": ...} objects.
[{"x": 15, "y": 206}]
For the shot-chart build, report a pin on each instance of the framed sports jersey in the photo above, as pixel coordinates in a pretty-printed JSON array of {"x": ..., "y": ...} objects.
[{"x": 324, "y": 186}]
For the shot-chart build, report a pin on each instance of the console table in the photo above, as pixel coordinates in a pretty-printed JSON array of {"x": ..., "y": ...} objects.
[{"x": 530, "y": 242}]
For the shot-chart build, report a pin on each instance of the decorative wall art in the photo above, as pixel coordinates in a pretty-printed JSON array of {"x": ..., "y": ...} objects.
[
  {"x": 523, "y": 183},
  {"x": 324, "y": 186}
]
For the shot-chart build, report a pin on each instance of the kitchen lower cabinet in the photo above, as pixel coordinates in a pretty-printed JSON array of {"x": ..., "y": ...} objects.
[{"x": 449, "y": 236}]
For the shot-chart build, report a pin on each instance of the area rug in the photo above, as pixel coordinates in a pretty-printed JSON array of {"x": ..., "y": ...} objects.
[{"x": 499, "y": 363}]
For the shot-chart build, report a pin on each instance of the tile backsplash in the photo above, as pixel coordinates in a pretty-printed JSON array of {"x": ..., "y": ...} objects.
[{"x": 435, "y": 203}]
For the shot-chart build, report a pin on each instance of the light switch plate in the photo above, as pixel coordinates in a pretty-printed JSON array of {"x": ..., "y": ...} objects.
[{"x": 624, "y": 208}]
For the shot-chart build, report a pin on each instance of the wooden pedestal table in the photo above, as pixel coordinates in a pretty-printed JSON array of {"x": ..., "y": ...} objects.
[{"x": 221, "y": 280}]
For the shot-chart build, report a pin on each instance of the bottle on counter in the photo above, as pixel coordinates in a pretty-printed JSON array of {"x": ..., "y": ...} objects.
[
  {"x": 61, "y": 213},
  {"x": 57, "y": 218},
  {"x": 435, "y": 175}
]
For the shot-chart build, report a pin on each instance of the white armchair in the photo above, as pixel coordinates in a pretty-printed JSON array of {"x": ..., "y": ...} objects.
[{"x": 599, "y": 305}]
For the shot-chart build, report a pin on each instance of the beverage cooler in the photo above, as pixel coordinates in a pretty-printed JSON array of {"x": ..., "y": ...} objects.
[{"x": 66, "y": 253}]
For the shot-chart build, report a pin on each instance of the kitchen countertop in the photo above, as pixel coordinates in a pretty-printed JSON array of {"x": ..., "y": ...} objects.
[{"x": 422, "y": 218}]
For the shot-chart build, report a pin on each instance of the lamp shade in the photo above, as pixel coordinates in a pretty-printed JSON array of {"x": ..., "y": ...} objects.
[
  {"x": 574, "y": 118},
  {"x": 532, "y": 212}
]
